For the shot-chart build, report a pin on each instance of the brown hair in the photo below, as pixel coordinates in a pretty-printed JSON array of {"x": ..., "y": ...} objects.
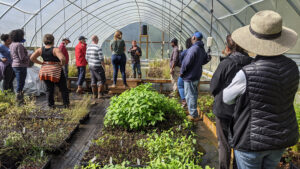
[
  {"x": 48, "y": 39},
  {"x": 232, "y": 45},
  {"x": 118, "y": 35}
]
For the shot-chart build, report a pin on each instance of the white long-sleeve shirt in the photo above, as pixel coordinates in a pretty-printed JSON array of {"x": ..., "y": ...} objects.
[{"x": 236, "y": 88}]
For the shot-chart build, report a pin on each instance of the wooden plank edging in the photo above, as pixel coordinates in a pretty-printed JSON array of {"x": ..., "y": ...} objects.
[{"x": 208, "y": 123}]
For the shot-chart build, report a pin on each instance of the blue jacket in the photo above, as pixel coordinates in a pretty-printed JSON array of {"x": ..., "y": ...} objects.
[
  {"x": 191, "y": 68},
  {"x": 5, "y": 53}
]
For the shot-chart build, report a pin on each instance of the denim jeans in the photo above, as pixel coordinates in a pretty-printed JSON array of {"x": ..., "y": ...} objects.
[
  {"x": 180, "y": 85},
  {"x": 66, "y": 70},
  {"x": 258, "y": 160},
  {"x": 119, "y": 61},
  {"x": 136, "y": 67},
  {"x": 21, "y": 73},
  {"x": 81, "y": 75},
  {"x": 191, "y": 96},
  {"x": 62, "y": 85}
]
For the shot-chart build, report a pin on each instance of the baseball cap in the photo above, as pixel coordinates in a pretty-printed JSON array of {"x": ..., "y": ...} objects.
[
  {"x": 174, "y": 40},
  {"x": 198, "y": 35},
  {"x": 82, "y": 38},
  {"x": 66, "y": 39}
]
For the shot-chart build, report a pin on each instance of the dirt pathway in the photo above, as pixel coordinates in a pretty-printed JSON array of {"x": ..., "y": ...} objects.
[
  {"x": 82, "y": 139},
  {"x": 209, "y": 144}
]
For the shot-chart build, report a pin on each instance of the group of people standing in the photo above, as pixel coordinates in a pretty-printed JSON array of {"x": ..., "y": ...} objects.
[
  {"x": 254, "y": 96},
  {"x": 14, "y": 62},
  {"x": 55, "y": 62},
  {"x": 186, "y": 71}
]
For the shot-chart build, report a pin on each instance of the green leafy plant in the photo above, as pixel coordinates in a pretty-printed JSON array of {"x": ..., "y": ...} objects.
[
  {"x": 205, "y": 104},
  {"x": 170, "y": 148},
  {"x": 140, "y": 107}
]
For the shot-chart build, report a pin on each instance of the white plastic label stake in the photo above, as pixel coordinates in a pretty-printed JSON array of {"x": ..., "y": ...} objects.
[
  {"x": 43, "y": 130},
  {"x": 24, "y": 130},
  {"x": 42, "y": 153},
  {"x": 179, "y": 127},
  {"x": 4, "y": 142},
  {"x": 209, "y": 41},
  {"x": 138, "y": 161},
  {"x": 61, "y": 130},
  {"x": 110, "y": 161},
  {"x": 121, "y": 143},
  {"x": 94, "y": 159}
]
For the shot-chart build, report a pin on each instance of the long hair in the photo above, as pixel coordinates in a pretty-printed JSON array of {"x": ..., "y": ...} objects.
[
  {"x": 188, "y": 43},
  {"x": 118, "y": 35}
]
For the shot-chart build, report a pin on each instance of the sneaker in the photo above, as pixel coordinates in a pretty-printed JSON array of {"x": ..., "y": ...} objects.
[
  {"x": 193, "y": 119},
  {"x": 126, "y": 85}
]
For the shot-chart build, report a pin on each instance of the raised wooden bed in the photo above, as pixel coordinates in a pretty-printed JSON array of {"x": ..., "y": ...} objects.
[{"x": 208, "y": 123}]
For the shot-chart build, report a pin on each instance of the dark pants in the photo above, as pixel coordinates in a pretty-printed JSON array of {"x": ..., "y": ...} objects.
[
  {"x": 21, "y": 73},
  {"x": 66, "y": 70},
  {"x": 119, "y": 61},
  {"x": 81, "y": 75},
  {"x": 224, "y": 147},
  {"x": 8, "y": 79},
  {"x": 136, "y": 67},
  {"x": 62, "y": 85},
  {"x": 97, "y": 75}
]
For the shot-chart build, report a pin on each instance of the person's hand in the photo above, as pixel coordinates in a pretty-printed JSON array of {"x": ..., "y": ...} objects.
[
  {"x": 3, "y": 59},
  {"x": 137, "y": 53},
  {"x": 172, "y": 70}
]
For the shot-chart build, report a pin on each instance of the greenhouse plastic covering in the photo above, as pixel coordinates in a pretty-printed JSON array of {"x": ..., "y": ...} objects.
[{"x": 178, "y": 18}]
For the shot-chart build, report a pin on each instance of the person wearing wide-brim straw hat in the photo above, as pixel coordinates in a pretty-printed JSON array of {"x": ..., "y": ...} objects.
[{"x": 264, "y": 121}]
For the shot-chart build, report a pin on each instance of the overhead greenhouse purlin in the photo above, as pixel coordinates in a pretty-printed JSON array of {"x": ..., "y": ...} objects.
[{"x": 72, "y": 18}]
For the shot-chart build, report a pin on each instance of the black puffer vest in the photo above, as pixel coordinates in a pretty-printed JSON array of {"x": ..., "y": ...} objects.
[{"x": 264, "y": 117}]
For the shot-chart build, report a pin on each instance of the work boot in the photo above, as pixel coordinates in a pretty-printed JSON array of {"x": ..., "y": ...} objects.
[
  {"x": 140, "y": 76},
  {"x": 100, "y": 91},
  {"x": 94, "y": 91},
  {"x": 134, "y": 75},
  {"x": 79, "y": 90}
]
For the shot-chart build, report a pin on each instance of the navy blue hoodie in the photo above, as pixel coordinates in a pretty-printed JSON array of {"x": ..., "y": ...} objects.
[{"x": 191, "y": 68}]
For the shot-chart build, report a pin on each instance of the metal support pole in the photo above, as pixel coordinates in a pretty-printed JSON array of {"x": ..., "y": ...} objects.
[
  {"x": 180, "y": 40},
  {"x": 147, "y": 46},
  {"x": 212, "y": 16},
  {"x": 162, "y": 44},
  {"x": 41, "y": 17}
]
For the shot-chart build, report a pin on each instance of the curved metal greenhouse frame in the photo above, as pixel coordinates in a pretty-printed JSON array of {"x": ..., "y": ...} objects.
[{"x": 177, "y": 18}]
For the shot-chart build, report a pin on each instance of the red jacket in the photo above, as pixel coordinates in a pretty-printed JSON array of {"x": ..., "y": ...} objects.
[
  {"x": 80, "y": 51},
  {"x": 63, "y": 49}
]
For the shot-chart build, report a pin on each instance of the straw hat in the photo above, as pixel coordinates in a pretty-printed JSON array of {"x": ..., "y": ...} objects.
[{"x": 265, "y": 35}]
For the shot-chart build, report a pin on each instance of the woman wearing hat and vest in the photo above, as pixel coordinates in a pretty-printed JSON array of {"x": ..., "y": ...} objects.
[
  {"x": 51, "y": 71},
  {"x": 264, "y": 120}
]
